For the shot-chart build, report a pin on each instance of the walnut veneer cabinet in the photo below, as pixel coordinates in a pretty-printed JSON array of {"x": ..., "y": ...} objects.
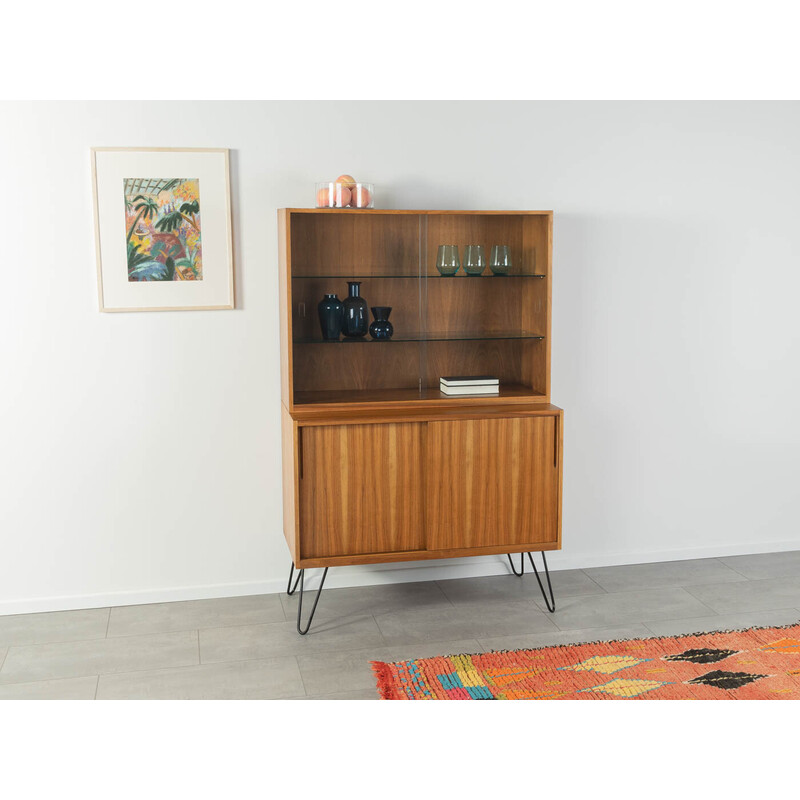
[{"x": 378, "y": 464}]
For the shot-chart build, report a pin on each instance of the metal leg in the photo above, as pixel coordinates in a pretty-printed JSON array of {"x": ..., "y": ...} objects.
[
  {"x": 290, "y": 590},
  {"x": 551, "y": 604},
  {"x": 521, "y": 564},
  {"x": 304, "y": 631}
]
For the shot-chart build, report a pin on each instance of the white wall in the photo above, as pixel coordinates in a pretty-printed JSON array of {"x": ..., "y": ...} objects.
[{"x": 139, "y": 458}]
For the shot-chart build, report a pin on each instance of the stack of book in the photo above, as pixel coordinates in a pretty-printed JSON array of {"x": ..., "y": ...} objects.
[{"x": 469, "y": 384}]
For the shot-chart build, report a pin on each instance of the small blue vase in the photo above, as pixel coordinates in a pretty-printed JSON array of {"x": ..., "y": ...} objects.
[
  {"x": 331, "y": 314},
  {"x": 354, "y": 325},
  {"x": 381, "y": 328}
]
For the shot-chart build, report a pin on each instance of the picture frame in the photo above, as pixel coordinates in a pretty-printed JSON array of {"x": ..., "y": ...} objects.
[{"x": 163, "y": 228}]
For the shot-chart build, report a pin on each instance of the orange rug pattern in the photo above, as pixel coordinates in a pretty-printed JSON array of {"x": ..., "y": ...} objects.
[{"x": 751, "y": 664}]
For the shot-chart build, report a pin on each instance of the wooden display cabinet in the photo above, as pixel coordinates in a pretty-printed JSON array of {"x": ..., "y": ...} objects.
[{"x": 378, "y": 464}]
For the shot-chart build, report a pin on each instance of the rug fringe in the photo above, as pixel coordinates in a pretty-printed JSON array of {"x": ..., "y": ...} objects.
[{"x": 383, "y": 674}]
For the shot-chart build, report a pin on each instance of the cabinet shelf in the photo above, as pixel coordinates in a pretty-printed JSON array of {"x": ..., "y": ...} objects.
[
  {"x": 509, "y": 392},
  {"x": 436, "y": 276},
  {"x": 438, "y": 336}
]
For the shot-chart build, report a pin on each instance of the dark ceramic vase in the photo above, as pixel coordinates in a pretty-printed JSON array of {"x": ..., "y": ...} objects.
[
  {"x": 355, "y": 312},
  {"x": 381, "y": 328},
  {"x": 331, "y": 314}
]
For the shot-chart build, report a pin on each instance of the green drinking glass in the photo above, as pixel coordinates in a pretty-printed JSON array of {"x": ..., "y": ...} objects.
[
  {"x": 474, "y": 259},
  {"x": 447, "y": 259},
  {"x": 500, "y": 260}
]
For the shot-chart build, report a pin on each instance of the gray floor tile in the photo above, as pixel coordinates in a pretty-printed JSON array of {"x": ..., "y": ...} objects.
[
  {"x": 636, "y": 577},
  {"x": 462, "y": 622},
  {"x": 606, "y": 610},
  {"x": 122, "y": 654},
  {"x": 53, "y": 626},
  {"x": 59, "y": 689},
  {"x": 405, "y": 652},
  {"x": 193, "y": 614},
  {"x": 328, "y": 673},
  {"x": 527, "y": 641},
  {"x": 724, "y": 622},
  {"x": 265, "y": 679},
  {"x": 281, "y": 638},
  {"x": 509, "y": 588},
  {"x": 3, "y": 651},
  {"x": 761, "y": 595},
  {"x": 766, "y": 565},
  {"x": 356, "y": 694},
  {"x": 361, "y": 600}
]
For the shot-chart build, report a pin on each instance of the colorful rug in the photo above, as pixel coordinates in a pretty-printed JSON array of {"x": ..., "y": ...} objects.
[{"x": 751, "y": 664}]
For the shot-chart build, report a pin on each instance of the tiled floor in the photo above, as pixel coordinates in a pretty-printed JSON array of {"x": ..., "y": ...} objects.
[{"x": 247, "y": 647}]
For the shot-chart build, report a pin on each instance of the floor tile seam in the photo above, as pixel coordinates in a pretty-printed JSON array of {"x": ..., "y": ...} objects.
[
  {"x": 108, "y": 622},
  {"x": 100, "y": 638},
  {"x": 300, "y": 673},
  {"x": 634, "y": 621},
  {"x": 288, "y": 657},
  {"x": 197, "y": 628},
  {"x": 721, "y": 614},
  {"x": 747, "y": 577},
  {"x": 263, "y": 624},
  {"x": 438, "y": 585},
  {"x": 322, "y": 651},
  {"x": 96, "y": 687},
  {"x": 583, "y": 572},
  {"x": 5, "y": 656},
  {"x": 47, "y": 680}
]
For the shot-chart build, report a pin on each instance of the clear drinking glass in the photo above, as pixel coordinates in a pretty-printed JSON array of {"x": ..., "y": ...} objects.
[
  {"x": 447, "y": 259},
  {"x": 474, "y": 259},
  {"x": 500, "y": 261}
]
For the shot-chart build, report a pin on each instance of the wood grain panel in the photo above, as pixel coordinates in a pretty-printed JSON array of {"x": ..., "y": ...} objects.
[
  {"x": 362, "y": 489},
  {"x": 355, "y": 244},
  {"x": 290, "y": 480},
  {"x": 492, "y": 482},
  {"x": 285, "y": 307},
  {"x": 355, "y": 366},
  {"x": 481, "y": 304},
  {"x": 499, "y": 357}
]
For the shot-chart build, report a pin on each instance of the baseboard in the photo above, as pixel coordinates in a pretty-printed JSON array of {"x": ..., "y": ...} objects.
[{"x": 405, "y": 572}]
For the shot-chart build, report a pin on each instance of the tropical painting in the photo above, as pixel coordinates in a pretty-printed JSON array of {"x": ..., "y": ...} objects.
[{"x": 162, "y": 226}]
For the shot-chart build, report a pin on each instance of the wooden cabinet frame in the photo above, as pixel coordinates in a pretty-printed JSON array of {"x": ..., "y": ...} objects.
[{"x": 366, "y": 464}]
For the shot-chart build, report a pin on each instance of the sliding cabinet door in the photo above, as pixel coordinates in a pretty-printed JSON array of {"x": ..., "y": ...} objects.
[
  {"x": 493, "y": 482},
  {"x": 361, "y": 489}
]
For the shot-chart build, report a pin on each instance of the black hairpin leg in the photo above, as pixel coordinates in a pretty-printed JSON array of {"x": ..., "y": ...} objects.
[
  {"x": 521, "y": 564},
  {"x": 291, "y": 590},
  {"x": 551, "y": 604}
]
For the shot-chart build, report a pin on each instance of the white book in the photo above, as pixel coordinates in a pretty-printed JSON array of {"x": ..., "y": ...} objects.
[
  {"x": 469, "y": 380},
  {"x": 452, "y": 390}
]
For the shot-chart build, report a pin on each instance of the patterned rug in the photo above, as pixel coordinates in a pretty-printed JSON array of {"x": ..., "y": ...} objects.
[{"x": 751, "y": 664}]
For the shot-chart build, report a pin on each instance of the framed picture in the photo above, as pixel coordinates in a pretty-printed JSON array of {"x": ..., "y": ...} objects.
[{"x": 163, "y": 228}]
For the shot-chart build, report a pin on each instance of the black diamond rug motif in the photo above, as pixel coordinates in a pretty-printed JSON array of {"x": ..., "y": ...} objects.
[
  {"x": 726, "y": 680},
  {"x": 704, "y": 656}
]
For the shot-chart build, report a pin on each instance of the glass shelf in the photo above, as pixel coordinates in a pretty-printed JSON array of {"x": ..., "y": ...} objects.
[
  {"x": 430, "y": 336},
  {"x": 486, "y": 274},
  {"x": 429, "y": 394}
]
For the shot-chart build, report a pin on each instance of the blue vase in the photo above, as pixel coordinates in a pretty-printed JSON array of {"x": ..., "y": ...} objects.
[
  {"x": 381, "y": 328},
  {"x": 354, "y": 325},
  {"x": 331, "y": 314}
]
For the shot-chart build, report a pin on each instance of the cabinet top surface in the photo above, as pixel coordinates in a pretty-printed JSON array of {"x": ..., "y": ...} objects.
[{"x": 378, "y": 211}]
